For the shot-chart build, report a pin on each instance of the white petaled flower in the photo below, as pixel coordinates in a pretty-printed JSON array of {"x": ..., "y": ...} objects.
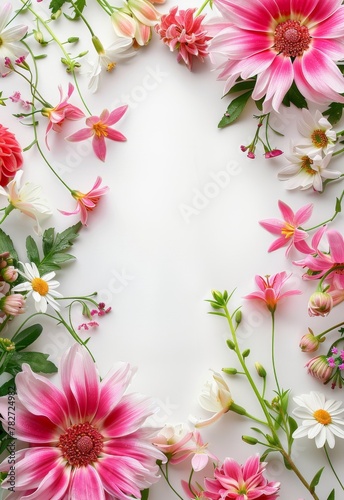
[
  {"x": 318, "y": 133},
  {"x": 322, "y": 418},
  {"x": 9, "y": 39},
  {"x": 42, "y": 288},
  {"x": 27, "y": 199},
  {"x": 107, "y": 59},
  {"x": 305, "y": 172},
  {"x": 215, "y": 398}
]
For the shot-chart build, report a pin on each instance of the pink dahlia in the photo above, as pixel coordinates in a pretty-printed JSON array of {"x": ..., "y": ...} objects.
[
  {"x": 11, "y": 158},
  {"x": 185, "y": 33},
  {"x": 281, "y": 41},
  {"x": 233, "y": 481},
  {"x": 86, "y": 440}
]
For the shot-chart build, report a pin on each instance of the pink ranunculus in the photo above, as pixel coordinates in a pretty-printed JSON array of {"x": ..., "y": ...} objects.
[
  {"x": 270, "y": 290},
  {"x": 288, "y": 229},
  {"x": 281, "y": 41},
  {"x": 99, "y": 128},
  {"x": 86, "y": 440},
  {"x": 87, "y": 202},
  {"x": 63, "y": 111},
  {"x": 231, "y": 479},
  {"x": 11, "y": 158},
  {"x": 185, "y": 33}
]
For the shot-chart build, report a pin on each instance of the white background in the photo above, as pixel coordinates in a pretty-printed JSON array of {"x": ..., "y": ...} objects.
[{"x": 176, "y": 223}]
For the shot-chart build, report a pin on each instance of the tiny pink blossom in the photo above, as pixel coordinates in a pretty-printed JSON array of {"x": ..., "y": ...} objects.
[
  {"x": 273, "y": 153},
  {"x": 98, "y": 127},
  {"x": 288, "y": 228},
  {"x": 185, "y": 33},
  {"x": 87, "y": 202},
  {"x": 63, "y": 111},
  {"x": 231, "y": 479},
  {"x": 270, "y": 290}
]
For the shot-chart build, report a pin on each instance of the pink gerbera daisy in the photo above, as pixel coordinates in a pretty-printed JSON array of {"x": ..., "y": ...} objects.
[
  {"x": 281, "y": 41},
  {"x": 86, "y": 440}
]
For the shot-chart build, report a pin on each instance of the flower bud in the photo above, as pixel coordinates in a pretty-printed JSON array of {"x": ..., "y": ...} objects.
[
  {"x": 309, "y": 342},
  {"x": 246, "y": 353},
  {"x": 38, "y": 36},
  {"x": 56, "y": 15},
  {"x": 319, "y": 368},
  {"x": 230, "y": 371},
  {"x": 73, "y": 39},
  {"x": 238, "y": 317},
  {"x": 12, "y": 304},
  {"x": 9, "y": 274},
  {"x": 7, "y": 345},
  {"x": 260, "y": 369},
  {"x": 249, "y": 439},
  {"x": 320, "y": 304},
  {"x": 230, "y": 344}
]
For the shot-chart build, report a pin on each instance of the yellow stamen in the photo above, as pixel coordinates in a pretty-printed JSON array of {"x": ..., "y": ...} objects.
[
  {"x": 100, "y": 129},
  {"x": 288, "y": 230},
  {"x": 306, "y": 165},
  {"x": 319, "y": 138},
  {"x": 110, "y": 66},
  {"x": 1, "y": 41},
  {"x": 322, "y": 416},
  {"x": 40, "y": 286}
]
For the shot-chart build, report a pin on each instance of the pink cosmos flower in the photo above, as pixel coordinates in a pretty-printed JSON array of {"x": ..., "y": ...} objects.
[
  {"x": 287, "y": 229},
  {"x": 278, "y": 42},
  {"x": 86, "y": 440},
  {"x": 99, "y": 128},
  {"x": 232, "y": 479},
  {"x": 11, "y": 158},
  {"x": 271, "y": 290},
  {"x": 63, "y": 111},
  {"x": 185, "y": 33},
  {"x": 86, "y": 202},
  {"x": 321, "y": 263}
]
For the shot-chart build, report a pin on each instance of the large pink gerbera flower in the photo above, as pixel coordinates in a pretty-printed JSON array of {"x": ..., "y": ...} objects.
[
  {"x": 281, "y": 41},
  {"x": 86, "y": 439},
  {"x": 240, "y": 482}
]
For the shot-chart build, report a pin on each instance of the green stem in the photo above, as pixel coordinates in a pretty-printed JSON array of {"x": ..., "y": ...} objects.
[
  {"x": 106, "y": 6},
  {"x": 202, "y": 7},
  {"x": 80, "y": 14},
  {"x": 165, "y": 474},
  {"x": 329, "y": 329},
  {"x": 340, "y": 199},
  {"x": 273, "y": 352},
  {"x": 332, "y": 468}
]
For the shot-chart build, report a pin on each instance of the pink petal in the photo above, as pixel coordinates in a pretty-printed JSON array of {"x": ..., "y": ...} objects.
[
  {"x": 81, "y": 135},
  {"x": 99, "y": 147},
  {"x": 274, "y": 226},
  {"x": 86, "y": 484},
  {"x": 303, "y": 214},
  {"x": 336, "y": 243},
  {"x": 119, "y": 476},
  {"x": 286, "y": 211},
  {"x": 114, "y": 135},
  {"x": 53, "y": 485},
  {"x": 116, "y": 115}
]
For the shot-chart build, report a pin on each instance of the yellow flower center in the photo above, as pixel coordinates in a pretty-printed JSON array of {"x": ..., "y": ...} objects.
[
  {"x": 40, "y": 286},
  {"x": 319, "y": 138},
  {"x": 322, "y": 416},
  {"x": 306, "y": 165},
  {"x": 100, "y": 129},
  {"x": 111, "y": 66},
  {"x": 288, "y": 230}
]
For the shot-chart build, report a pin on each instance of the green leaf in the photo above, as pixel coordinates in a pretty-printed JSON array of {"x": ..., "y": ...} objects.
[
  {"x": 242, "y": 85},
  {"x": 5, "y": 442},
  {"x": 5, "y": 388},
  {"x": 286, "y": 464},
  {"x": 338, "y": 207},
  {"x": 331, "y": 495},
  {"x": 235, "y": 109},
  {"x": 37, "y": 360},
  {"x": 6, "y": 245},
  {"x": 334, "y": 112},
  {"x": 316, "y": 480},
  {"x": 265, "y": 454},
  {"x": 26, "y": 337},
  {"x": 145, "y": 494},
  {"x": 295, "y": 97},
  {"x": 54, "y": 247},
  {"x": 32, "y": 250},
  {"x": 56, "y": 5},
  {"x": 79, "y": 4},
  {"x": 292, "y": 425}
]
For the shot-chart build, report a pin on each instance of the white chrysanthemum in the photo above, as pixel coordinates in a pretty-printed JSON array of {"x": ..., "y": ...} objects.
[
  {"x": 42, "y": 288},
  {"x": 304, "y": 172},
  {"x": 27, "y": 199},
  {"x": 322, "y": 419},
  {"x": 318, "y": 133},
  {"x": 9, "y": 38}
]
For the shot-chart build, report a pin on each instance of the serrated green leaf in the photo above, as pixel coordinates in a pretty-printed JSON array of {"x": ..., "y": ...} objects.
[
  {"x": 54, "y": 247},
  {"x": 331, "y": 495},
  {"x": 48, "y": 240},
  {"x": 56, "y": 5},
  {"x": 27, "y": 336},
  {"x": 6, "y": 245},
  {"x": 80, "y": 4},
  {"x": 295, "y": 97},
  {"x": 38, "y": 362},
  {"x": 235, "y": 109},
  {"x": 315, "y": 480},
  {"x": 32, "y": 250},
  {"x": 334, "y": 112}
]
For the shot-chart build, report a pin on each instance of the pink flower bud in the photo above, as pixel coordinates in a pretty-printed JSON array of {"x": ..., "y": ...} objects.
[
  {"x": 320, "y": 304},
  {"x": 319, "y": 368},
  {"x": 309, "y": 342},
  {"x": 13, "y": 304}
]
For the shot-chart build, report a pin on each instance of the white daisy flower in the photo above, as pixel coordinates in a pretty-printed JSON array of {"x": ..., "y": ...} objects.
[
  {"x": 321, "y": 418},
  {"x": 318, "y": 133},
  {"x": 304, "y": 172},
  {"x": 27, "y": 199},
  {"x": 42, "y": 288},
  {"x": 9, "y": 38}
]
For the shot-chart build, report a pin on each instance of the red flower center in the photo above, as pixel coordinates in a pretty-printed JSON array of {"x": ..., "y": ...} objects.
[
  {"x": 291, "y": 39},
  {"x": 81, "y": 444}
]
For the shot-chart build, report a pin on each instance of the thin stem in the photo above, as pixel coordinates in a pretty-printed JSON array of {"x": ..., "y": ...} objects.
[
  {"x": 165, "y": 474},
  {"x": 329, "y": 329},
  {"x": 202, "y": 7},
  {"x": 332, "y": 468},
  {"x": 340, "y": 199},
  {"x": 80, "y": 14},
  {"x": 273, "y": 352}
]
